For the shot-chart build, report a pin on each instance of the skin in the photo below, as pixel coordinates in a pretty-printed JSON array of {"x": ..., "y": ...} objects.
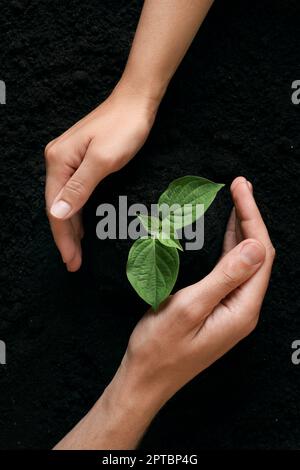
[
  {"x": 107, "y": 138},
  {"x": 190, "y": 331}
]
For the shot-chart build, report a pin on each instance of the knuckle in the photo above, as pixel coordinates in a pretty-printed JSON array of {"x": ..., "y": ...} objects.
[
  {"x": 227, "y": 279},
  {"x": 272, "y": 251},
  {"x": 46, "y": 150},
  {"x": 51, "y": 152},
  {"x": 142, "y": 129},
  {"x": 243, "y": 321},
  {"x": 185, "y": 309},
  {"x": 142, "y": 348},
  {"x": 76, "y": 188},
  {"x": 108, "y": 163},
  {"x": 249, "y": 323},
  {"x": 49, "y": 145}
]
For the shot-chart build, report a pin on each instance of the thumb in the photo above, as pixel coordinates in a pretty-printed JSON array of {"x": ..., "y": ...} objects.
[
  {"x": 77, "y": 189},
  {"x": 235, "y": 268}
]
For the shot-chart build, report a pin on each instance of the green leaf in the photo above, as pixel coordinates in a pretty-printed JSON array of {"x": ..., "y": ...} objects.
[
  {"x": 171, "y": 242},
  {"x": 151, "y": 224},
  {"x": 152, "y": 269},
  {"x": 153, "y": 261},
  {"x": 186, "y": 193},
  {"x": 168, "y": 236}
]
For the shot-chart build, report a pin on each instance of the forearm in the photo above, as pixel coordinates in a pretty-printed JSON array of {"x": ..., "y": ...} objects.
[
  {"x": 117, "y": 421},
  {"x": 164, "y": 33}
]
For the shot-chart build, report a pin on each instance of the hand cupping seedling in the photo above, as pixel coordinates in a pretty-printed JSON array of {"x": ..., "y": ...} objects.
[{"x": 153, "y": 260}]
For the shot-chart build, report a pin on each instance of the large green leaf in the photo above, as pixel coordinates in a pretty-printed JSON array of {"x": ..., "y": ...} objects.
[
  {"x": 186, "y": 193},
  {"x": 152, "y": 269}
]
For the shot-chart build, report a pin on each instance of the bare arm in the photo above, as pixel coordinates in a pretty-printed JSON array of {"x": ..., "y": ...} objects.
[
  {"x": 164, "y": 34},
  {"x": 107, "y": 138}
]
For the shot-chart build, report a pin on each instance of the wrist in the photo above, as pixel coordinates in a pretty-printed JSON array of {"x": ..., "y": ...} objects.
[
  {"x": 126, "y": 417},
  {"x": 129, "y": 403},
  {"x": 148, "y": 92},
  {"x": 126, "y": 396}
]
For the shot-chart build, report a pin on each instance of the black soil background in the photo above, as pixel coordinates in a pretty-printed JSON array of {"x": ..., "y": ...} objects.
[{"x": 228, "y": 112}]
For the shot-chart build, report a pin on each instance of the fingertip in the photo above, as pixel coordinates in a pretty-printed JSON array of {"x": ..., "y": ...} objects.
[
  {"x": 74, "y": 265},
  {"x": 236, "y": 182},
  {"x": 72, "y": 269},
  {"x": 70, "y": 251},
  {"x": 61, "y": 209},
  {"x": 250, "y": 186},
  {"x": 252, "y": 252},
  {"x": 243, "y": 199}
]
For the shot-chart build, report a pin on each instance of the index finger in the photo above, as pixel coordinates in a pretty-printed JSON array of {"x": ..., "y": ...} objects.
[{"x": 62, "y": 230}]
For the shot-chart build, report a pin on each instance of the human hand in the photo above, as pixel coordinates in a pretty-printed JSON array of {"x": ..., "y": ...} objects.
[
  {"x": 200, "y": 323},
  {"x": 100, "y": 144},
  {"x": 189, "y": 332}
]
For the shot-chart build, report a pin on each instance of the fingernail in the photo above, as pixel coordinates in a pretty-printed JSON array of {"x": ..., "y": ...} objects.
[
  {"x": 250, "y": 186},
  {"x": 252, "y": 254},
  {"x": 60, "y": 209}
]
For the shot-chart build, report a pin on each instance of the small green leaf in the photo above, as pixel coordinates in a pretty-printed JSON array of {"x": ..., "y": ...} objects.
[
  {"x": 168, "y": 236},
  {"x": 151, "y": 224},
  {"x": 186, "y": 193},
  {"x": 171, "y": 242},
  {"x": 152, "y": 269}
]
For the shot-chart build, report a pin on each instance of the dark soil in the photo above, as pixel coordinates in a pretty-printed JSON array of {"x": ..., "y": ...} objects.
[{"x": 228, "y": 112}]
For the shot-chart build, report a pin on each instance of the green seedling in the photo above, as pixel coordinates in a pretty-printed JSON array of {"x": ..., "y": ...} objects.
[{"x": 153, "y": 260}]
